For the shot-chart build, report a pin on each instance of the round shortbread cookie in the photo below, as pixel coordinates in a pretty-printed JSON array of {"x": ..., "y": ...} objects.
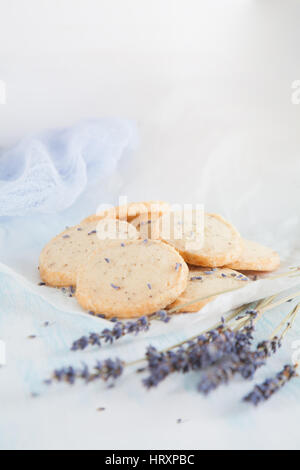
[
  {"x": 131, "y": 279},
  {"x": 207, "y": 282},
  {"x": 61, "y": 257},
  {"x": 256, "y": 257},
  {"x": 146, "y": 224},
  {"x": 219, "y": 246},
  {"x": 183, "y": 230},
  {"x": 130, "y": 211}
]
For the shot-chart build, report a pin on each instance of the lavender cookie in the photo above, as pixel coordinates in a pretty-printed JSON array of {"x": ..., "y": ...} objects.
[{"x": 131, "y": 279}]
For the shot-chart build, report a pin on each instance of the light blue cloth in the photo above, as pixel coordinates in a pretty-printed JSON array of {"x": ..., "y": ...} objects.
[{"x": 46, "y": 173}]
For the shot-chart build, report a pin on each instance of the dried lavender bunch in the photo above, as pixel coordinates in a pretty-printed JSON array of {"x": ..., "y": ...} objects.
[
  {"x": 205, "y": 351},
  {"x": 264, "y": 391},
  {"x": 243, "y": 361},
  {"x": 119, "y": 330},
  {"x": 105, "y": 370},
  {"x": 247, "y": 362}
]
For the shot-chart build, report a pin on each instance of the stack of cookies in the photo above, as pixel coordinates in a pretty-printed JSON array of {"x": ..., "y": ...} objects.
[{"x": 123, "y": 264}]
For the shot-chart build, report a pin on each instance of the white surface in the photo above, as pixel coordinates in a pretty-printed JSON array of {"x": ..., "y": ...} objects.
[{"x": 206, "y": 81}]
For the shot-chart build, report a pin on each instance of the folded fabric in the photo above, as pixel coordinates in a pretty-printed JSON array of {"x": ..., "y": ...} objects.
[{"x": 46, "y": 173}]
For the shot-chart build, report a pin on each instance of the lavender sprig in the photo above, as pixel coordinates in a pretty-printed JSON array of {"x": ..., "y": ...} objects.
[
  {"x": 143, "y": 324},
  {"x": 200, "y": 354},
  {"x": 230, "y": 348},
  {"x": 119, "y": 330},
  {"x": 247, "y": 362},
  {"x": 264, "y": 391},
  {"x": 229, "y": 351},
  {"x": 105, "y": 370},
  {"x": 244, "y": 362}
]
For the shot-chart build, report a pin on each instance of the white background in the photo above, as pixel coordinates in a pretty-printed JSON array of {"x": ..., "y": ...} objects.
[{"x": 195, "y": 75}]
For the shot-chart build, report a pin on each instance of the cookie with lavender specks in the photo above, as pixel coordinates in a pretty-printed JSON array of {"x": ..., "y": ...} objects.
[
  {"x": 146, "y": 224},
  {"x": 219, "y": 245},
  {"x": 183, "y": 229},
  {"x": 131, "y": 279},
  {"x": 256, "y": 257},
  {"x": 130, "y": 211},
  {"x": 61, "y": 257},
  {"x": 207, "y": 282}
]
